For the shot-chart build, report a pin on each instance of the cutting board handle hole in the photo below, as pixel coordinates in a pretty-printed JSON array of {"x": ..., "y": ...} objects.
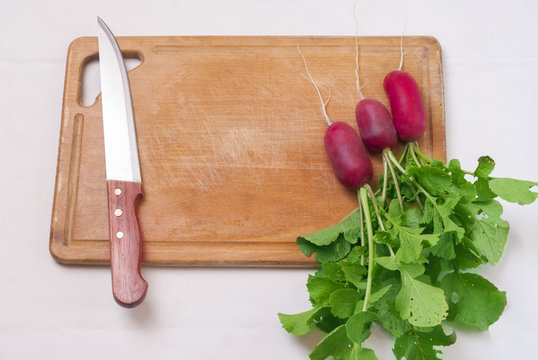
[{"x": 90, "y": 83}]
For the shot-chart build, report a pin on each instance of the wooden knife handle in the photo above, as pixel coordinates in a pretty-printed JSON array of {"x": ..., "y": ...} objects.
[{"x": 128, "y": 286}]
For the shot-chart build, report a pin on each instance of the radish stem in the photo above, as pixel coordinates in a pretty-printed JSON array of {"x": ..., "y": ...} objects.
[
  {"x": 414, "y": 156},
  {"x": 417, "y": 198},
  {"x": 364, "y": 203},
  {"x": 415, "y": 149},
  {"x": 384, "y": 191},
  {"x": 395, "y": 179},
  {"x": 404, "y": 152},
  {"x": 362, "y": 225},
  {"x": 391, "y": 156},
  {"x": 376, "y": 209},
  {"x": 323, "y": 104},
  {"x": 427, "y": 194}
]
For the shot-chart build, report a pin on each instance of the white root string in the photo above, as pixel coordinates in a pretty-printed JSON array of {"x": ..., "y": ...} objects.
[
  {"x": 323, "y": 103},
  {"x": 359, "y": 88},
  {"x": 401, "y": 47}
]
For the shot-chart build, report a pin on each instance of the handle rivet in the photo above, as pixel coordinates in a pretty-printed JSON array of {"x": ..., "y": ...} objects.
[
  {"x": 119, "y": 234},
  {"x": 117, "y": 191},
  {"x": 118, "y": 212}
]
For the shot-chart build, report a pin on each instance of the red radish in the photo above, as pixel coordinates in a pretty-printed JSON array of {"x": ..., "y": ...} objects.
[
  {"x": 375, "y": 125},
  {"x": 348, "y": 157},
  {"x": 353, "y": 169},
  {"x": 405, "y": 102},
  {"x": 406, "y": 105},
  {"x": 344, "y": 148},
  {"x": 373, "y": 119}
]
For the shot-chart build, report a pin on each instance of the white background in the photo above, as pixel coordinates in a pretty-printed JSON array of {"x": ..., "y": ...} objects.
[{"x": 51, "y": 311}]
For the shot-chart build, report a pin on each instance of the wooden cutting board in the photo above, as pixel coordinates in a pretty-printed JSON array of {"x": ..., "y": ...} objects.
[{"x": 230, "y": 137}]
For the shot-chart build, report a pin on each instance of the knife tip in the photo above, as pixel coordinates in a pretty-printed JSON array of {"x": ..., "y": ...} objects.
[{"x": 100, "y": 22}]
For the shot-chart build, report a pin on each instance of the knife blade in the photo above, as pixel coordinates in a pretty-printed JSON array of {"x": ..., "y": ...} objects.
[{"x": 124, "y": 183}]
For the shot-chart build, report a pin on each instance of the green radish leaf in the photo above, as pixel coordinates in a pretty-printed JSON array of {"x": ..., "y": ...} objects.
[
  {"x": 467, "y": 255},
  {"x": 413, "y": 269},
  {"x": 460, "y": 184},
  {"x": 445, "y": 247},
  {"x": 472, "y": 299},
  {"x": 332, "y": 252},
  {"x": 355, "y": 255},
  {"x": 343, "y": 302},
  {"x": 385, "y": 308},
  {"x": 300, "y": 324},
  {"x": 483, "y": 191},
  {"x": 359, "y": 353},
  {"x": 358, "y": 326},
  {"x": 411, "y": 240},
  {"x": 436, "y": 266},
  {"x": 331, "y": 270},
  {"x": 433, "y": 179},
  {"x": 306, "y": 247},
  {"x": 385, "y": 237},
  {"x": 485, "y": 167},
  {"x": 387, "y": 262},
  {"x": 412, "y": 217},
  {"x": 327, "y": 322},
  {"x": 445, "y": 211},
  {"x": 421, "y": 304},
  {"x": 489, "y": 232},
  {"x": 335, "y": 344},
  {"x": 428, "y": 213},
  {"x": 354, "y": 273},
  {"x": 394, "y": 211},
  {"x": 512, "y": 190},
  {"x": 417, "y": 345},
  {"x": 321, "y": 289},
  {"x": 374, "y": 297},
  {"x": 454, "y": 166},
  {"x": 349, "y": 228}
]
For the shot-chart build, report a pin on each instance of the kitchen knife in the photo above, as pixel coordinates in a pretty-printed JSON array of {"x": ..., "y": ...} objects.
[{"x": 124, "y": 182}]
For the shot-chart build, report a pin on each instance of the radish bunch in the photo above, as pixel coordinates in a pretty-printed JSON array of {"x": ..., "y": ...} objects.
[{"x": 407, "y": 271}]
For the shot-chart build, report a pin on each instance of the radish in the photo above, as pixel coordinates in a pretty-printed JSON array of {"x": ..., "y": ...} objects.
[
  {"x": 344, "y": 148},
  {"x": 375, "y": 125},
  {"x": 405, "y": 102},
  {"x": 406, "y": 105},
  {"x": 373, "y": 119},
  {"x": 353, "y": 169},
  {"x": 346, "y": 153}
]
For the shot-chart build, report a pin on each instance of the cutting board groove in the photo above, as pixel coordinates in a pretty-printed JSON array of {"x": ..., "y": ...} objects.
[{"x": 230, "y": 137}]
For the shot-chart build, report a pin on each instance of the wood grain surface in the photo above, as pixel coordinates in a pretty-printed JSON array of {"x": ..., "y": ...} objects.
[{"x": 230, "y": 135}]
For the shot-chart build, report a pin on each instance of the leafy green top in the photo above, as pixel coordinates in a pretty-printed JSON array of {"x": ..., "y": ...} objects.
[{"x": 448, "y": 221}]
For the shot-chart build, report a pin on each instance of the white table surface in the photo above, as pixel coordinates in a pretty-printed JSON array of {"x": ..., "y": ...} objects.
[{"x": 51, "y": 311}]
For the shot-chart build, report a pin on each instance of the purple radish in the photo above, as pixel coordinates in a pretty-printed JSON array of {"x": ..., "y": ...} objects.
[
  {"x": 347, "y": 155},
  {"x": 406, "y": 105},
  {"x": 344, "y": 147},
  {"x": 405, "y": 102},
  {"x": 375, "y": 125}
]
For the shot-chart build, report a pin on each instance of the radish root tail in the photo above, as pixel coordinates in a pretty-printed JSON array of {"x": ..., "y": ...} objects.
[
  {"x": 401, "y": 46},
  {"x": 359, "y": 88},
  {"x": 323, "y": 103}
]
